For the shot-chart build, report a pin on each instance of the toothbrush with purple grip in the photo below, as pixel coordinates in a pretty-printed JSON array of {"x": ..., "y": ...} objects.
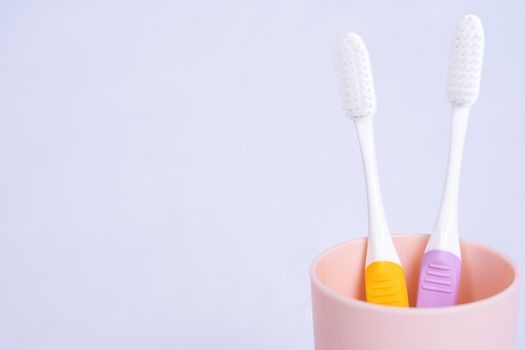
[{"x": 440, "y": 271}]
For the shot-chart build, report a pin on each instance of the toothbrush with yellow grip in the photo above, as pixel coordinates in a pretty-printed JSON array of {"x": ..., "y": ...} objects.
[{"x": 384, "y": 277}]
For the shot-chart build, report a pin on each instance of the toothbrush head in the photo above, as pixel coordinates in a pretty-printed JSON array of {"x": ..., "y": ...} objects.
[
  {"x": 355, "y": 77},
  {"x": 466, "y": 60}
]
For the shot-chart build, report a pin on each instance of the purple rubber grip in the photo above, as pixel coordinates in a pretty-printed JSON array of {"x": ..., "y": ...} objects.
[{"x": 438, "y": 279}]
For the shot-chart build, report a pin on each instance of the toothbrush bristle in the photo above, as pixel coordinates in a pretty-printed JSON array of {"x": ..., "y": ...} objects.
[
  {"x": 466, "y": 61},
  {"x": 355, "y": 77}
]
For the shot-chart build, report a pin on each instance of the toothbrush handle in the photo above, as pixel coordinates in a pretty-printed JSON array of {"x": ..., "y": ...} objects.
[
  {"x": 439, "y": 279},
  {"x": 385, "y": 284}
]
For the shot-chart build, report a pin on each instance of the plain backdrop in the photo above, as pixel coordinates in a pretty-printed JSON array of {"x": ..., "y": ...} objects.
[{"x": 169, "y": 169}]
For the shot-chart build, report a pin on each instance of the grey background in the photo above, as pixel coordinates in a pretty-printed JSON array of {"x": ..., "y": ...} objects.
[{"x": 169, "y": 169}]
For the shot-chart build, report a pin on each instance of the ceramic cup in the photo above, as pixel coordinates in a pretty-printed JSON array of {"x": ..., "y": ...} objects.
[{"x": 485, "y": 319}]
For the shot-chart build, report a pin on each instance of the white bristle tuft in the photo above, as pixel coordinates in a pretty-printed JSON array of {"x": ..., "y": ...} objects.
[
  {"x": 355, "y": 77},
  {"x": 466, "y": 61}
]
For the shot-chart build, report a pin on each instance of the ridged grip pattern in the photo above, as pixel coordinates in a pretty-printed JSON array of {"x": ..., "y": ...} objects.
[
  {"x": 385, "y": 284},
  {"x": 439, "y": 279}
]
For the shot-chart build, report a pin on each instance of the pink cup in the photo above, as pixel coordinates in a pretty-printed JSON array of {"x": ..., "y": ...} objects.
[{"x": 486, "y": 318}]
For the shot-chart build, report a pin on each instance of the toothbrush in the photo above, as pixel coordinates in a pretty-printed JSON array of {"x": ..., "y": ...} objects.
[
  {"x": 440, "y": 271},
  {"x": 384, "y": 278}
]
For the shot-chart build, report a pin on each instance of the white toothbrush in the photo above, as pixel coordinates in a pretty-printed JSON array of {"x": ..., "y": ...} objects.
[
  {"x": 440, "y": 270},
  {"x": 384, "y": 277}
]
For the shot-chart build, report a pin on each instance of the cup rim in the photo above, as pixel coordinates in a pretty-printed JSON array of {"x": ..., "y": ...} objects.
[{"x": 355, "y": 303}]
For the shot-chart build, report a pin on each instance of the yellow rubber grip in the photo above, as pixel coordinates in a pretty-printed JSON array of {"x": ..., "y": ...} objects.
[{"x": 385, "y": 284}]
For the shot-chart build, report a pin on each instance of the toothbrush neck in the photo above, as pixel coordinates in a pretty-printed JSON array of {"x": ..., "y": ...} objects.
[
  {"x": 377, "y": 223},
  {"x": 447, "y": 222}
]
